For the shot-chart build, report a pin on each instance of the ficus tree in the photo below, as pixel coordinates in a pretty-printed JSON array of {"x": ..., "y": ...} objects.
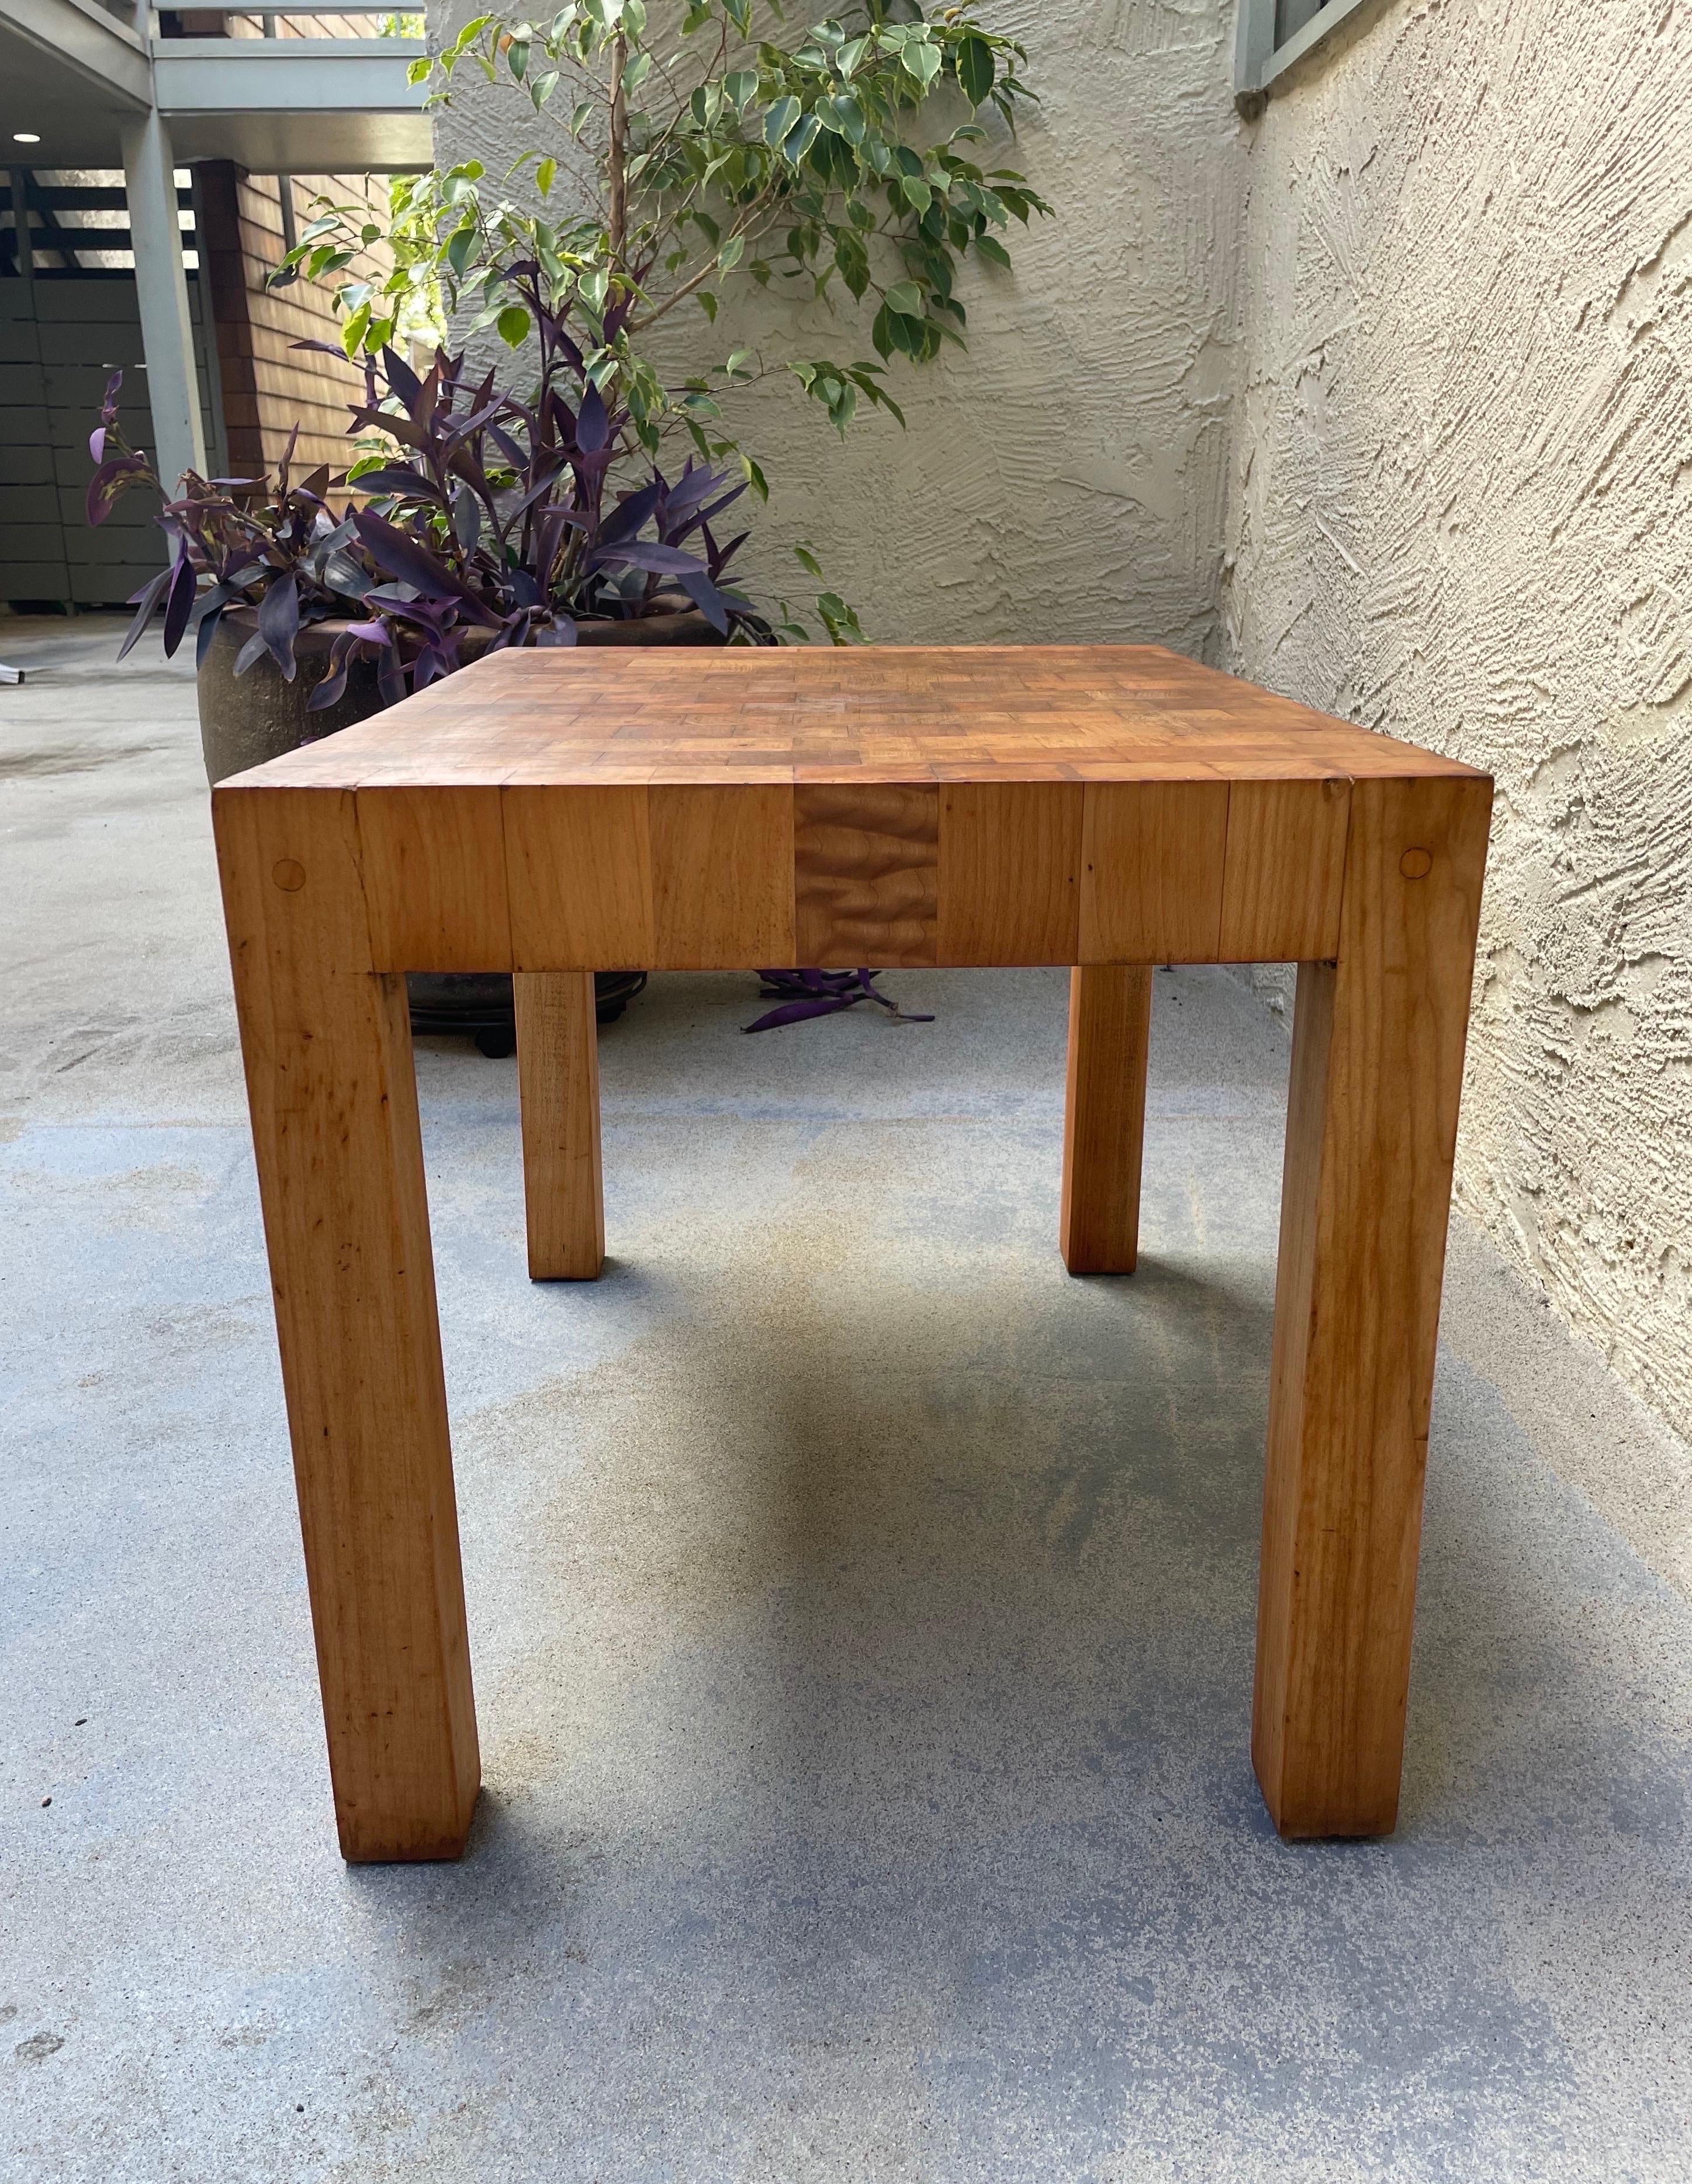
[{"x": 664, "y": 152}]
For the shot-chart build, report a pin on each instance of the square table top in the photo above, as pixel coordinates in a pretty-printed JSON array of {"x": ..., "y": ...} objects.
[{"x": 604, "y": 715}]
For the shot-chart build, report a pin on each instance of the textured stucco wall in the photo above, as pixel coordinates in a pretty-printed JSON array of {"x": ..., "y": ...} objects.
[
  {"x": 1067, "y": 477},
  {"x": 1460, "y": 511}
]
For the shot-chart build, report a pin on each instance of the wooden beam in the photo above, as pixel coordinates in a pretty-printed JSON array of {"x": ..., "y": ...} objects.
[
  {"x": 558, "y": 1077},
  {"x": 1104, "y": 1137},
  {"x": 1377, "y": 1067},
  {"x": 326, "y": 1043}
]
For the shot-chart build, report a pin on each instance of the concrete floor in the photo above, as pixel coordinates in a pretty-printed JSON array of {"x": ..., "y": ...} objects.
[{"x": 861, "y": 1613}]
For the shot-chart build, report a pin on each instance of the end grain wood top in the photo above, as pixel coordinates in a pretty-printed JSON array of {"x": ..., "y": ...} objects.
[{"x": 750, "y": 715}]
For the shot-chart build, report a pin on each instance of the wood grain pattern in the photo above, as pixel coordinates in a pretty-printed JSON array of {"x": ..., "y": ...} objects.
[
  {"x": 326, "y": 1043},
  {"x": 558, "y": 1078},
  {"x": 749, "y": 714},
  {"x": 866, "y": 875},
  {"x": 579, "y": 870},
  {"x": 722, "y": 863},
  {"x": 269, "y": 389},
  {"x": 434, "y": 862},
  {"x": 1103, "y": 1134},
  {"x": 1010, "y": 872},
  {"x": 1286, "y": 871},
  {"x": 1153, "y": 859},
  {"x": 1377, "y": 1063}
]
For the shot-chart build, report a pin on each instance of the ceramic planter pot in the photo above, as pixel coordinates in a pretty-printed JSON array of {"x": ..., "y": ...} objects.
[{"x": 247, "y": 719}]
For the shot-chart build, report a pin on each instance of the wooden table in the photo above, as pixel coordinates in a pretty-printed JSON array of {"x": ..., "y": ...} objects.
[{"x": 1110, "y": 808}]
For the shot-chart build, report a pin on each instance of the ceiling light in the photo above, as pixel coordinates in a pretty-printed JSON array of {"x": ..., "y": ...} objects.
[{"x": 24, "y": 136}]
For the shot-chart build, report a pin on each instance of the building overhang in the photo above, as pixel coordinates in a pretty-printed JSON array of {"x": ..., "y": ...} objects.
[
  {"x": 314, "y": 106},
  {"x": 71, "y": 74}
]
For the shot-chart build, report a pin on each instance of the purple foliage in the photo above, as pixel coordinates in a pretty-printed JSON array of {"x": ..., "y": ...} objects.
[
  {"x": 805, "y": 993},
  {"x": 502, "y": 521}
]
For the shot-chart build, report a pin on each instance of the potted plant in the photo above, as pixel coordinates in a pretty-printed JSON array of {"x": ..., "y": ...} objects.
[{"x": 664, "y": 154}]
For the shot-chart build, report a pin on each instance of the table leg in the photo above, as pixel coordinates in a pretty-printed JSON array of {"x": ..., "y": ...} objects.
[
  {"x": 340, "y": 1159},
  {"x": 558, "y": 1076},
  {"x": 1110, "y": 1034},
  {"x": 1377, "y": 1075}
]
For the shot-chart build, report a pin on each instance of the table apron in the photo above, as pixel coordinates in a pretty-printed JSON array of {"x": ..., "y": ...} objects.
[{"x": 899, "y": 875}]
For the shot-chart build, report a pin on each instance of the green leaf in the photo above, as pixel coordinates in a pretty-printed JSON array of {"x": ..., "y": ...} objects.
[
  {"x": 896, "y": 329},
  {"x": 517, "y": 58},
  {"x": 853, "y": 264},
  {"x": 638, "y": 69},
  {"x": 514, "y": 325},
  {"x": 878, "y": 395},
  {"x": 809, "y": 562},
  {"x": 755, "y": 477},
  {"x": 581, "y": 116},
  {"x": 419, "y": 72},
  {"x": 741, "y": 87},
  {"x": 840, "y": 621},
  {"x": 845, "y": 116},
  {"x": 850, "y": 57},
  {"x": 708, "y": 304},
  {"x": 800, "y": 142},
  {"x": 459, "y": 245},
  {"x": 915, "y": 193},
  {"x": 974, "y": 69},
  {"x": 738, "y": 359},
  {"x": 922, "y": 60},
  {"x": 778, "y": 122},
  {"x": 471, "y": 31},
  {"x": 545, "y": 175},
  {"x": 990, "y": 248},
  {"x": 731, "y": 254},
  {"x": 906, "y": 298}
]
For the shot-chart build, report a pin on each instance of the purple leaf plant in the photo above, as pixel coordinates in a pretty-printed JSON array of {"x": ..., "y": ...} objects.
[
  {"x": 499, "y": 521},
  {"x": 806, "y": 994}
]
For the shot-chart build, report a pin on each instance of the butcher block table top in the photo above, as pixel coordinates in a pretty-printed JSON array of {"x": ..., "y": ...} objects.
[{"x": 915, "y": 807}]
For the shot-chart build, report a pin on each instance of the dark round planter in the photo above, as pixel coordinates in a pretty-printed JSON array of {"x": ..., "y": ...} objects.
[
  {"x": 477, "y": 1005},
  {"x": 248, "y": 719}
]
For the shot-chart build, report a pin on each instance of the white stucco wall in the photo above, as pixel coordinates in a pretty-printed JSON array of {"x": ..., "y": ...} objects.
[
  {"x": 1461, "y": 510},
  {"x": 1068, "y": 478}
]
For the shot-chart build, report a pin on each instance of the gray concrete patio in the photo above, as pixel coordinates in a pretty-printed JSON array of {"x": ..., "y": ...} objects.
[{"x": 861, "y": 1611}]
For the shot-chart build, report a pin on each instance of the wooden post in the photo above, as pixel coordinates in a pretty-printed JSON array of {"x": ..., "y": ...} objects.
[
  {"x": 1378, "y": 1064},
  {"x": 1109, "y": 1036},
  {"x": 327, "y": 1046},
  {"x": 558, "y": 1077}
]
